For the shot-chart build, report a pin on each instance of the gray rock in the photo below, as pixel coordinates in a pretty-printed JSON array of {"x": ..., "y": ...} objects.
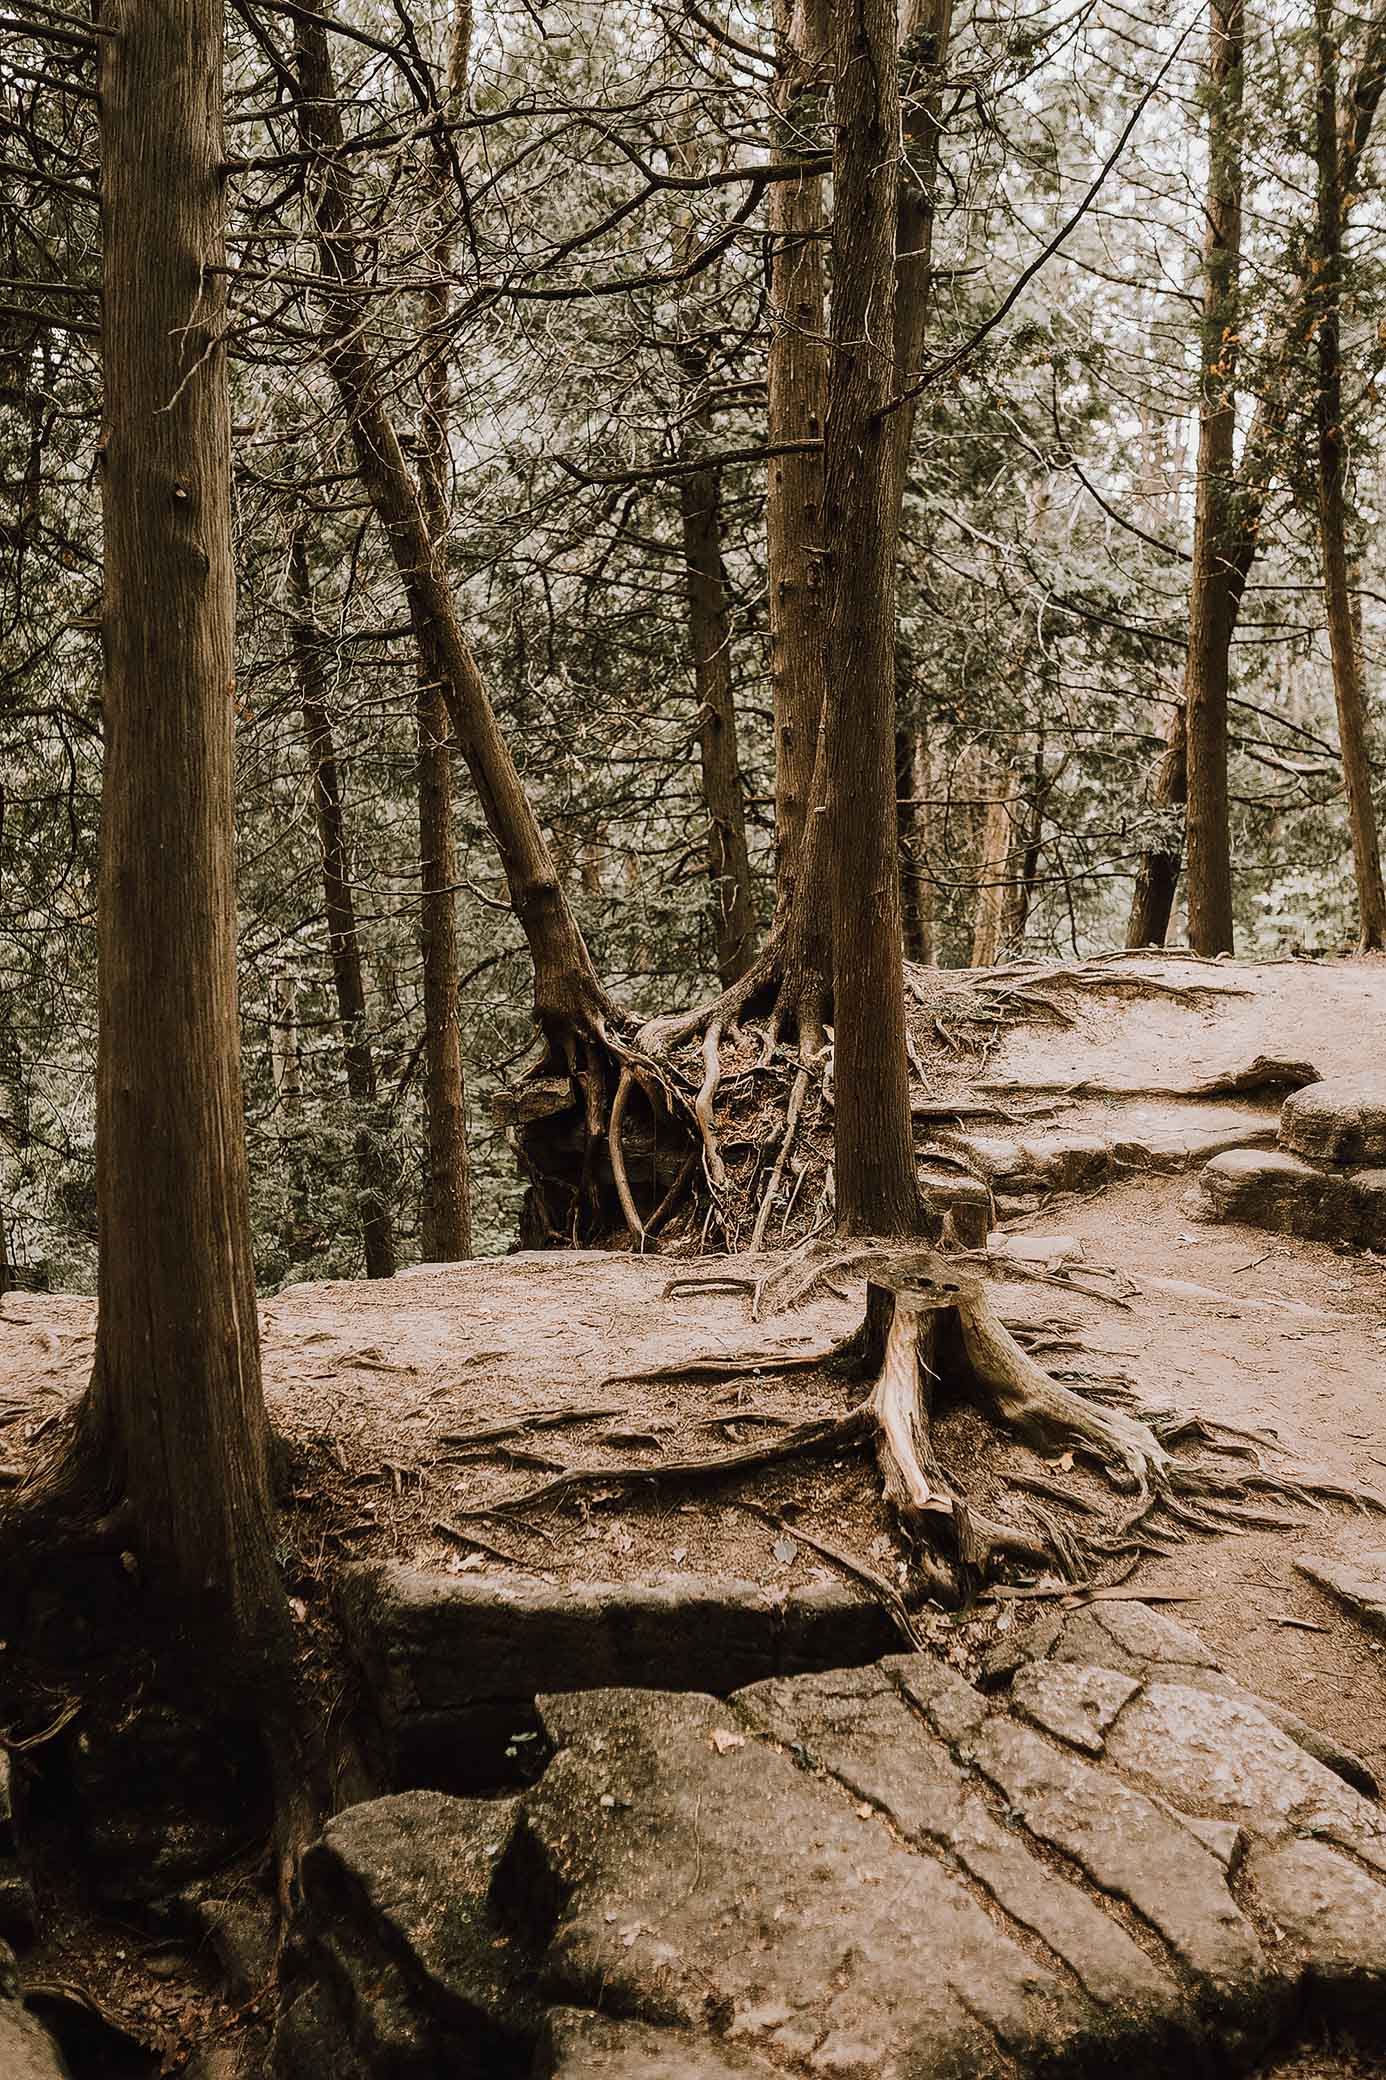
[
  {"x": 1134, "y": 1850},
  {"x": 1222, "y": 1757},
  {"x": 955, "y": 1208},
  {"x": 1076, "y": 1704},
  {"x": 413, "y": 1973},
  {"x": 866, "y": 1735},
  {"x": 1341, "y": 1120},
  {"x": 1359, "y": 1584},
  {"x": 27, "y": 2052},
  {"x": 581, "y": 2045},
  {"x": 700, "y": 1875},
  {"x": 1134, "y": 1637},
  {"x": 16, "y": 1902},
  {"x": 241, "y": 1935},
  {"x": 452, "y": 1666},
  {"x": 1290, "y": 1197},
  {"x": 1335, "y": 1916},
  {"x": 1138, "y": 1639}
]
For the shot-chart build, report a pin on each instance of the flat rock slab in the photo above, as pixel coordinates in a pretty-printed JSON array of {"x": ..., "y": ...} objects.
[
  {"x": 452, "y": 1665},
  {"x": 876, "y": 1873},
  {"x": 1340, "y": 1120},
  {"x": 1359, "y": 1584},
  {"x": 1290, "y": 1196}
]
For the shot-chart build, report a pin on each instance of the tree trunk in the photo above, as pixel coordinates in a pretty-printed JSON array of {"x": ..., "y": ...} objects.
[
  {"x": 913, "y": 785},
  {"x": 1157, "y": 876},
  {"x": 797, "y": 378},
  {"x": 158, "y": 1512},
  {"x": 989, "y": 916},
  {"x": 344, "y": 945},
  {"x": 1212, "y": 600},
  {"x": 874, "y": 1145},
  {"x": 1347, "y": 662},
  {"x": 709, "y": 628},
  {"x": 925, "y": 28},
  {"x": 445, "y": 1213},
  {"x": 1021, "y": 892},
  {"x": 571, "y": 1007}
]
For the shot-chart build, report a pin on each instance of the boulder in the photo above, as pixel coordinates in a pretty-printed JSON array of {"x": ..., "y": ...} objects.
[
  {"x": 27, "y": 2052},
  {"x": 1290, "y": 1196},
  {"x": 1341, "y": 1120}
]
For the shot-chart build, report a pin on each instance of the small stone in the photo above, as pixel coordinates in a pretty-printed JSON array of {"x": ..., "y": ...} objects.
[
  {"x": 1073, "y": 1703},
  {"x": 1360, "y": 1584},
  {"x": 1341, "y": 1120}
]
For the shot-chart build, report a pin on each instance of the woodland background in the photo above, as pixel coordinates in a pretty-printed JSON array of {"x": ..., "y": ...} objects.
[{"x": 564, "y": 258}]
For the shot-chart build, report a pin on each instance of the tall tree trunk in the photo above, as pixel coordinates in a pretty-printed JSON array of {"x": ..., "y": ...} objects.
[
  {"x": 1157, "y": 875},
  {"x": 1347, "y": 661},
  {"x": 710, "y": 635},
  {"x": 571, "y": 1007},
  {"x": 873, "y": 1138},
  {"x": 343, "y": 941},
  {"x": 445, "y": 1214},
  {"x": 168, "y": 1460},
  {"x": 797, "y": 378},
  {"x": 1212, "y": 602}
]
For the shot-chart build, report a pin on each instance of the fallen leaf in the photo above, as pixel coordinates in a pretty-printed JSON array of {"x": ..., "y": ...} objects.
[{"x": 785, "y": 1550}]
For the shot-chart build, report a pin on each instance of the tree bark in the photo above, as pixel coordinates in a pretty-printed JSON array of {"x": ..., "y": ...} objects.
[
  {"x": 925, "y": 28},
  {"x": 997, "y": 835},
  {"x": 445, "y": 1213},
  {"x": 343, "y": 940},
  {"x": 874, "y": 1145},
  {"x": 913, "y": 786},
  {"x": 709, "y": 629},
  {"x": 1346, "y": 656},
  {"x": 1157, "y": 876},
  {"x": 168, "y": 1460},
  {"x": 570, "y": 1005},
  {"x": 1212, "y": 601},
  {"x": 797, "y": 379}
]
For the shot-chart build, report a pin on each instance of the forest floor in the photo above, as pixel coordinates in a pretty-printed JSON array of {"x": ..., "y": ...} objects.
[{"x": 385, "y": 1386}]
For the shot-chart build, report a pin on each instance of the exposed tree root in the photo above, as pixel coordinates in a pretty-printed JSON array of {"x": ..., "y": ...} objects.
[{"x": 930, "y": 1337}]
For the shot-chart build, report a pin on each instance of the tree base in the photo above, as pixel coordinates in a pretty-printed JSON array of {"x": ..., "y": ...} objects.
[{"x": 931, "y": 1341}]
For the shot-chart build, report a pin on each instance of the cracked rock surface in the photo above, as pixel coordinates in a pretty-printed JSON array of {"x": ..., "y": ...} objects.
[{"x": 878, "y": 1873}]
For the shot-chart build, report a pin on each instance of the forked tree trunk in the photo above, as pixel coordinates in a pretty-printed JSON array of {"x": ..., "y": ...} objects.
[
  {"x": 1213, "y": 602},
  {"x": 343, "y": 940},
  {"x": 445, "y": 1213},
  {"x": 1346, "y": 655},
  {"x": 873, "y": 1140},
  {"x": 710, "y": 637},
  {"x": 797, "y": 379},
  {"x": 571, "y": 1007},
  {"x": 1157, "y": 875}
]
